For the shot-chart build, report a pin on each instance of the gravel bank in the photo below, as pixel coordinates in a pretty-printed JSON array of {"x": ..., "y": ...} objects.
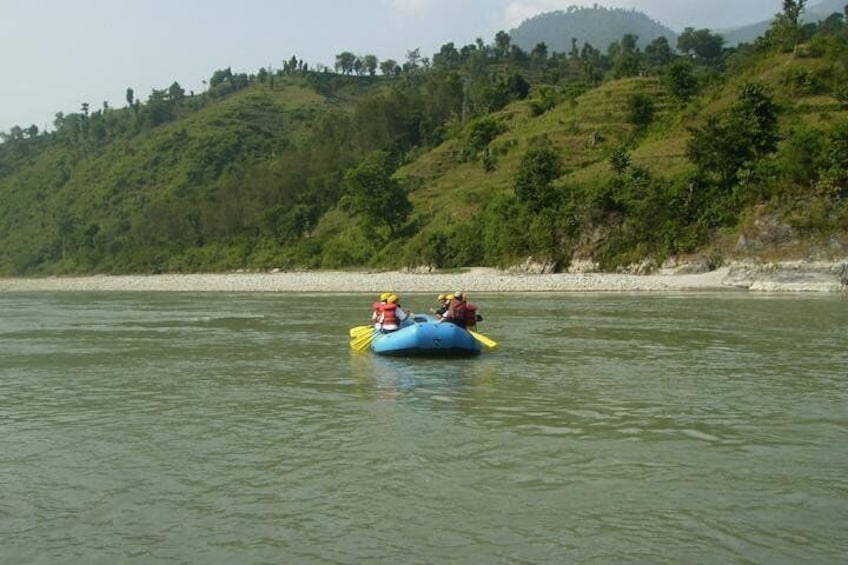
[
  {"x": 473, "y": 280},
  {"x": 780, "y": 277}
]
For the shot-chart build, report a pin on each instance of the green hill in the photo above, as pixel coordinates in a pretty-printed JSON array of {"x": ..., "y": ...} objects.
[
  {"x": 484, "y": 155},
  {"x": 598, "y": 26}
]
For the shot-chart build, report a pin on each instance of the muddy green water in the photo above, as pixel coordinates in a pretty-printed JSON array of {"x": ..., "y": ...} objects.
[{"x": 239, "y": 428}]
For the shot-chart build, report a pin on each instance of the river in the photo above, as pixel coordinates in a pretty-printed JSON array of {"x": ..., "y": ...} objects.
[{"x": 240, "y": 428}]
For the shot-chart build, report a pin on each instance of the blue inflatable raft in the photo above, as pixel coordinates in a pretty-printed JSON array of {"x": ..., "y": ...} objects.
[{"x": 424, "y": 337}]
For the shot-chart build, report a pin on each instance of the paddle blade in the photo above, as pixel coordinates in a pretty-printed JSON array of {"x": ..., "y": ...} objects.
[
  {"x": 360, "y": 330},
  {"x": 490, "y": 343},
  {"x": 362, "y": 342}
]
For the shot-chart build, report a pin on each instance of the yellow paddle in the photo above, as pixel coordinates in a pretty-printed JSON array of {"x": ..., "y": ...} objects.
[
  {"x": 360, "y": 330},
  {"x": 363, "y": 341},
  {"x": 490, "y": 343}
]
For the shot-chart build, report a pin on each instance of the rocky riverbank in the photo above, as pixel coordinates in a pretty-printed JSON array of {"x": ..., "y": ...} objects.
[
  {"x": 790, "y": 276},
  {"x": 826, "y": 277}
]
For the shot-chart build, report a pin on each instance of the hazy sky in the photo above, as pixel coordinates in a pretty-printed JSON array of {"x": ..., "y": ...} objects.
[{"x": 57, "y": 54}]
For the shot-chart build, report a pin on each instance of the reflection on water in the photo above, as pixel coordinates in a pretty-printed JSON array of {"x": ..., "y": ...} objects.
[
  {"x": 417, "y": 379},
  {"x": 241, "y": 429}
]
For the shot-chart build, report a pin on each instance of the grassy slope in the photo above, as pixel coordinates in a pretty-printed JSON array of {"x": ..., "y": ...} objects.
[
  {"x": 166, "y": 163},
  {"x": 586, "y": 131},
  {"x": 114, "y": 185}
]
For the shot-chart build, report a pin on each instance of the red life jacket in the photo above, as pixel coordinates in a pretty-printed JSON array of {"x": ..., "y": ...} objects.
[
  {"x": 456, "y": 312},
  {"x": 375, "y": 310},
  {"x": 470, "y": 315},
  {"x": 389, "y": 314}
]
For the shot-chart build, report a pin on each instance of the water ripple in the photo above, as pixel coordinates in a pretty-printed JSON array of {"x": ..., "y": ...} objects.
[{"x": 241, "y": 429}]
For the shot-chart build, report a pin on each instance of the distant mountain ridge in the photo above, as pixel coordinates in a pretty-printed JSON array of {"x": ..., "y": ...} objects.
[
  {"x": 825, "y": 8},
  {"x": 748, "y": 33},
  {"x": 601, "y": 26},
  {"x": 598, "y": 26}
]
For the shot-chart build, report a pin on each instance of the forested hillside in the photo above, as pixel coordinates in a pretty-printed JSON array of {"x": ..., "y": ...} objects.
[
  {"x": 568, "y": 30},
  {"x": 484, "y": 154}
]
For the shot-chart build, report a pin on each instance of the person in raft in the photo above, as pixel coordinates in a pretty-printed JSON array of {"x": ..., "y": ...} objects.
[
  {"x": 392, "y": 316},
  {"x": 375, "y": 309},
  {"x": 443, "y": 306},
  {"x": 460, "y": 312},
  {"x": 471, "y": 315},
  {"x": 455, "y": 313}
]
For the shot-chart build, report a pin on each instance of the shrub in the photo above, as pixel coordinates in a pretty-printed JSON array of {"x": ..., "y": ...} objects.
[
  {"x": 532, "y": 183},
  {"x": 641, "y": 109},
  {"x": 803, "y": 81},
  {"x": 483, "y": 131}
]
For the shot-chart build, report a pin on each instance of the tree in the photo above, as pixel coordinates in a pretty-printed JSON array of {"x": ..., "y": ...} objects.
[
  {"x": 658, "y": 52},
  {"x": 835, "y": 175},
  {"x": 176, "y": 93},
  {"x": 593, "y": 63},
  {"x": 793, "y": 9},
  {"x": 680, "y": 80},
  {"x": 130, "y": 97},
  {"x": 220, "y": 76},
  {"x": 717, "y": 148},
  {"x": 158, "y": 109},
  {"x": 627, "y": 65},
  {"x": 757, "y": 110},
  {"x": 832, "y": 25},
  {"x": 787, "y": 23},
  {"x": 59, "y": 121},
  {"x": 447, "y": 57},
  {"x": 620, "y": 160},
  {"x": 701, "y": 44},
  {"x": 291, "y": 66},
  {"x": 533, "y": 183},
  {"x": 389, "y": 67},
  {"x": 413, "y": 59},
  {"x": 519, "y": 87},
  {"x": 629, "y": 42},
  {"x": 483, "y": 131},
  {"x": 502, "y": 44},
  {"x": 375, "y": 197},
  {"x": 370, "y": 62},
  {"x": 345, "y": 62},
  {"x": 728, "y": 142},
  {"x": 539, "y": 53},
  {"x": 641, "y": 109}
]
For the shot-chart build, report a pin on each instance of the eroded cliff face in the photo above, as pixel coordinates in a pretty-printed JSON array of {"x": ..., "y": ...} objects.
[
  {"x": 768, "y": 255},
  {"x": 770, "y": 275},
  {"x": 789, "y": 276}
]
